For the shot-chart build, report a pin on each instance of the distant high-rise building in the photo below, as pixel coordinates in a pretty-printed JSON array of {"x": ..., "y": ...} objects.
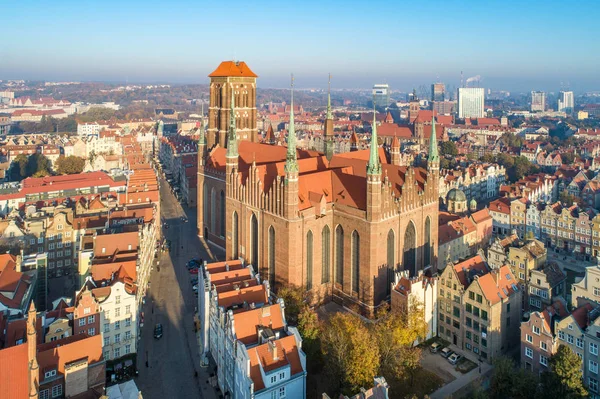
[
  {"x": 438, "y": 91},
  {"x": 538, "y": 101},
  {"x": 381, "y": 95},
  {"x": 566, "y": 102},
  {"x": 444, "y": 107},
  {"x": 470, "y": 102}
]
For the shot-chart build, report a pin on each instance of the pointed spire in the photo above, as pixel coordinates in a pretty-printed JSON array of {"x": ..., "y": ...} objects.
[
  {"x": 329, "y": 114},
  {"x": 232, "y": 150},
  {"x": 291, "y": 163},
  {"x": 374, "y": 165},
  {"x": 433, "y": 146}
]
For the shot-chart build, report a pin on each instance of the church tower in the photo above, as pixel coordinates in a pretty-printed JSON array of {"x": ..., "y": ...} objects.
[
  {"x": 374, "y": 177},
  {"x": 433, "y": 159},
  {"x": 291, "y": 168},
  {"x": 329, "y": 125},
  {"x": 413, "y": 107},
  {"x": 232, "y": 79}
]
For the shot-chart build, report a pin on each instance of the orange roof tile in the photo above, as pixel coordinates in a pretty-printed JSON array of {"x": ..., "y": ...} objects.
[
  {"x": 233, "y": 68},
  {"x": 462, "y": 269},
  {"x": 14, "y": 372},
  {"x": 246, "y": 323},
  {"x": 498, "y": 285},
  {"x": 253, "y": 294},
  {"x": 262, "y": 355}
]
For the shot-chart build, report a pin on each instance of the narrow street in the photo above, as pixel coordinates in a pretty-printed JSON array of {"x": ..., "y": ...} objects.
[{"x": 174, "y": 358}]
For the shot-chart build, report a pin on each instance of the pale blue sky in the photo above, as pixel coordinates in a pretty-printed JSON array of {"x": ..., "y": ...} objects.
[{"x": 513, "y": 45}]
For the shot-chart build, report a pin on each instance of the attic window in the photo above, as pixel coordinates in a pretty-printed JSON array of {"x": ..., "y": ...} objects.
[
  {"x": 50, "y": 373},
  {"x": 505, "y": 291},
  {"x": 508, "y": 276}
]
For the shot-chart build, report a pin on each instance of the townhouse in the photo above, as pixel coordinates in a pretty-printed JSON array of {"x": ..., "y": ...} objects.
[{"x": 479, "y": 307}]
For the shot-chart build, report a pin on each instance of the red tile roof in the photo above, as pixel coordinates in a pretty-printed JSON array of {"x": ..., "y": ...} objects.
[
  {"x": 233, "y": 68},
  {"x": 262, "y": 355},
  {"x": 14, "y": 372},
  {"x": 462, "y": 269},
  {"x": 246, "y": 323},
  {"x": 498, "y": 284}
]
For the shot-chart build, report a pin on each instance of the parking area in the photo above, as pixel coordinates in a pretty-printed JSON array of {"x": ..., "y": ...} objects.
[{"x": 440, "y": 366}]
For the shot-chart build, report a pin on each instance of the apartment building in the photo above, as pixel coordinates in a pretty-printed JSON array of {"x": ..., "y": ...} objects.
[
  {"x": 117, "y": 321},
  {"x": 245, "y": 333},
  {"x": 524, "y": 256},
  {"x": 538, "y": 337},
  {"x": 544, "y": 285},
  {"x": 480, "y": 182},
  {"x": 479, "y": 307},
  {"x": 588, "y": 289},
  {"x": 568, "y": 229},
  {"x": 500, "y": 212}
]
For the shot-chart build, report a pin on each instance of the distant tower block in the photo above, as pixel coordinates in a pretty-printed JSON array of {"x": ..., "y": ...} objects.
[{"x": 232, "y": 78}]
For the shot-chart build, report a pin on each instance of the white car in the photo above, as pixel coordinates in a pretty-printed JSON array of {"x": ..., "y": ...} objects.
[
  {"x": 454, "y": 358},
  {"x": 195, "y": 288}
]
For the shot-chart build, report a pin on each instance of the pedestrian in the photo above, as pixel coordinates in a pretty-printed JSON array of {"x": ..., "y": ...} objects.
[
  {"x": 146, "y": 363},
  {"x": 195, "y": 374}
]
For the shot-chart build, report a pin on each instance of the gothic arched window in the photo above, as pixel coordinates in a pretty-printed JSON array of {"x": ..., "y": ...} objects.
[
  {"x": 271, "y": 272},
  {"x": 234, "y": 236},
  {"x": 309, "y": 259},
  {"x": 391, "y": 260},
  {"x": 339, "y": 255},
  {"x": 355, "y": 261},
  {"x": 254, "y": 241},
  {"x": 326, "y": 254},
  {"x": 223, "y": 221}
]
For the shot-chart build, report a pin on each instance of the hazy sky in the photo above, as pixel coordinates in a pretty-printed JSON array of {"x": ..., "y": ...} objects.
[{"x": 514, "y": 45}]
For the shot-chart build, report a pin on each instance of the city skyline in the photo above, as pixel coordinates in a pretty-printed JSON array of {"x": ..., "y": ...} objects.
[{"x": 141, "y": 43}]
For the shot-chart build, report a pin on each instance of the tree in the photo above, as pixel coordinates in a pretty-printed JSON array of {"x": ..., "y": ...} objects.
[
  {"x": 567, "y": 158},
  {"x": 69, "y": 165},
  {"x": 396, "y": 333},
  {"x": 489, "y": 158},
  {"x": 351, "y": 358},
  {"x": 18, "y": 167},
  {"x": 294, "y": 299},
  {"x": 565, "y": 379},
  {"x": 66, "y": 125},
  {"x": 97, "y": 114},
  {"x": 567, "y": 198},
  {"x": 448, "y": 148},
  {"x": 38, "y": 165},
  {"x": 510, "y": 382}
]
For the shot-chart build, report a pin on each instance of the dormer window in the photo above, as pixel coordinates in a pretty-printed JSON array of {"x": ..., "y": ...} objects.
[{"x": 50, "y": 373}]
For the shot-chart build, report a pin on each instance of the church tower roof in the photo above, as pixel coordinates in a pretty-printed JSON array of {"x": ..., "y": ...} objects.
[
  {"x": 433, "y": 146},
  {"x": 291, "y": 163},
  {"x": 374, "y": 165}
]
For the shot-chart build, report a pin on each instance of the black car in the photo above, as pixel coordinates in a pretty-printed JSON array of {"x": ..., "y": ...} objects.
[{"x": 158, "y": 331}]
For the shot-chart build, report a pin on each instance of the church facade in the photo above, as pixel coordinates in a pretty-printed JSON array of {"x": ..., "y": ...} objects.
[{"x": 338, "y": 225}]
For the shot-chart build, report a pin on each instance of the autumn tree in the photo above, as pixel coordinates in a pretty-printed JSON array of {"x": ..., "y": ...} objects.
[
  {"x": 69, "y": 165},
  {"x": 564, "y": 381},
  {"x": 397, "y": 333},
  {"x": 448, "y": 148},
  {"x": 294, "y": 299},
  {"x": 351, "y": 358}
]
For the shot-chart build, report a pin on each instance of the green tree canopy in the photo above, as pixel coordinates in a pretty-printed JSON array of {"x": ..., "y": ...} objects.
[
  {"x": 38, "y": 165},
  {"x": 565, "y": 379},
  {"x": 448, "y": 148},
  {"x": 69, "y": 165}
]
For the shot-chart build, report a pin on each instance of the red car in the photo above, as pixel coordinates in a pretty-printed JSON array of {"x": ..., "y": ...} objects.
[{"x": 194, "y": 271}]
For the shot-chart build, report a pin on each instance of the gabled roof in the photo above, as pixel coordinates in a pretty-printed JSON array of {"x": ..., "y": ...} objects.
[
  {"x": 262, "y": 356},
  {"x": 247, "y": 323},
  {"x": 466, "y": 270},
  {"x": 498, "y": 284}
]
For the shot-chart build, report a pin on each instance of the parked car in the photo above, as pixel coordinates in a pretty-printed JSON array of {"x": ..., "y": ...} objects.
[
  {"x": 454, "y": 358},
  {"x": 435, "y": 347},
  {"x": 194, "y": 280},
  {"x": 195, "y": 288},
  {"x": 158, "y": 331},
  {"x": 194, "y": 271},
  {"x": 446, "y": 352}
]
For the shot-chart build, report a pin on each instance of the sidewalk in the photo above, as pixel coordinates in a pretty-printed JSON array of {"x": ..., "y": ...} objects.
[{"x": 462, "y": 381}]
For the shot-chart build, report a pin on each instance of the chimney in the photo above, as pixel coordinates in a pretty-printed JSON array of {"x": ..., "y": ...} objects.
[
  {"x": 273, "y": 350},
  {"x": 19, "y": 262}
]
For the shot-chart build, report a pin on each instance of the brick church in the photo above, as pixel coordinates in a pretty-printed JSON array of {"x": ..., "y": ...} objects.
[{"x": 311, "y": 219}]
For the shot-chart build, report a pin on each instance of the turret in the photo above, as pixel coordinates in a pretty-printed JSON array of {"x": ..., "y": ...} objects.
[
  {"x": 270, "y": 136},
  {"x": 329, "y": 125},
  {"x": 201, "y": 140},
  {"x": 34, "y": 372},
  {"x": 395, "y": 151},
  {"x": 354, "y": 142},
  {"x": 291, "y": 166},
  {"x": 374, "y": 177}
]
